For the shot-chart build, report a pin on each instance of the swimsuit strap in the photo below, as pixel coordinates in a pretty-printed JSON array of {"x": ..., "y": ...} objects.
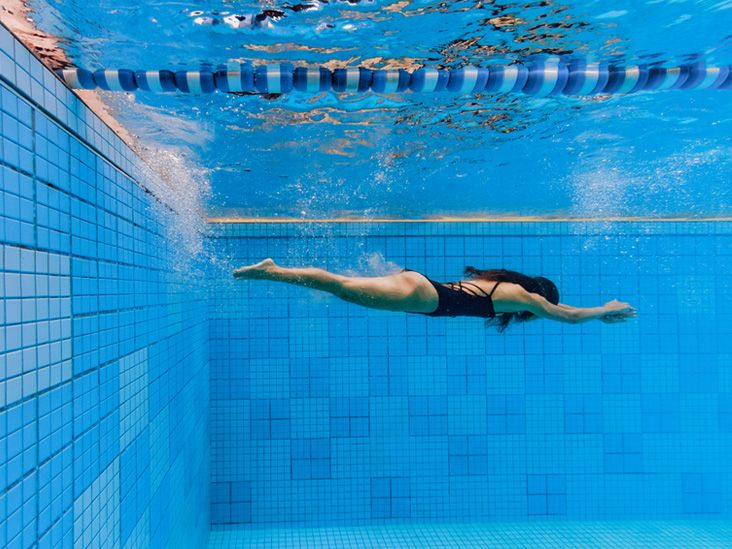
[
  {"x": 494, "y": 289},
  {"x": 469, "y": 291}
]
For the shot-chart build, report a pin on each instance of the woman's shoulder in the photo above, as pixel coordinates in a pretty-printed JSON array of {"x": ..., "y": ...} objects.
[{"x": 508, "y": 297}]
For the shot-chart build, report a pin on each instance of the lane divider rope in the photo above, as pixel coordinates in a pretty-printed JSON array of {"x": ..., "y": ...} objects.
[{"x": 538, "y": 78}]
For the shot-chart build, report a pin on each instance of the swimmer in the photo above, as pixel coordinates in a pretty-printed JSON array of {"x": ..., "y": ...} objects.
[
  {"x": 262, "y": 20},
  {"x": 503, "y": 297},
  {"x": 265, "y": 19}
]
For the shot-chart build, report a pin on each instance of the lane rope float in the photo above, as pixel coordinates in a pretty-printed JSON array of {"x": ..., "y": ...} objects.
[{"x": 538, "y": 78}]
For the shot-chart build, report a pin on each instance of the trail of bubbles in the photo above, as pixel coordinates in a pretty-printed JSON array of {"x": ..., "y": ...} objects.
[
  {"x": 374, "y": 264},
  {"x": 182, "y": 185}
]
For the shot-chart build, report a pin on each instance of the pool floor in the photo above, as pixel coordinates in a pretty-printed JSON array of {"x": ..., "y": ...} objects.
[{"x": 705, "y": 534}]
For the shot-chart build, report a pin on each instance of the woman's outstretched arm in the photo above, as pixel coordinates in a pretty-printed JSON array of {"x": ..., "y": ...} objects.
[{"x": 612, "y": 311}]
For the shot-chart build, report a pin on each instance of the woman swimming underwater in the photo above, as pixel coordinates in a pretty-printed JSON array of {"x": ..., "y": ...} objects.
[{"x": 504, "y": 297}]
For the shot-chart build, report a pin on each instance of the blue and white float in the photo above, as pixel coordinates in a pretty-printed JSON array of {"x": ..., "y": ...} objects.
[{"x": 541, "y": 78}]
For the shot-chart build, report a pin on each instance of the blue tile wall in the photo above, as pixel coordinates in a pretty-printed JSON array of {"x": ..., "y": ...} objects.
[
  {"x": 103, "y": 344},
  {"x": 326, "y": 413}
]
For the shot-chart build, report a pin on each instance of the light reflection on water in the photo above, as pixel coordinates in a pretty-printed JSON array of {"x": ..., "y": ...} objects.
[{"x": 415, "y": 155}]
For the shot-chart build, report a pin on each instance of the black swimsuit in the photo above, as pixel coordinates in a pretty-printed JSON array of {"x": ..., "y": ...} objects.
[{"x": 462, "y": 299}]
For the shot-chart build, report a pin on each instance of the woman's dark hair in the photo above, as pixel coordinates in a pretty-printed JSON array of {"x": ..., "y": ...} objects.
[{"x": 536, "y": 285}]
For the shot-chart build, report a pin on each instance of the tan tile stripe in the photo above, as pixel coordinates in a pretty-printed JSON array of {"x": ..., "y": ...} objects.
[{"x": 499, "y": 219}]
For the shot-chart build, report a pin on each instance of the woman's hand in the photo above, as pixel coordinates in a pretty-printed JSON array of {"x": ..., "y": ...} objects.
[{"x": 617, "y": 311}]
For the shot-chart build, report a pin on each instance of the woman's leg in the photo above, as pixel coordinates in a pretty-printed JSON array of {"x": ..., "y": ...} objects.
[{"x": 406, "y": 291}]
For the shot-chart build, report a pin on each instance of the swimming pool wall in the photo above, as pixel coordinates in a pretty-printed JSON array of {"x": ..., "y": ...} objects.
[
  {"x": 326, "y": 413},
  {"x": 103, "y": 341}
]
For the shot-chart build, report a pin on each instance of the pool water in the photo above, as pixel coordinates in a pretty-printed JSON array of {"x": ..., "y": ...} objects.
[
  {"x": 148, "y": 399},
  {"x": 423, "y": 155},
  {"x": 327, "y": 413}
]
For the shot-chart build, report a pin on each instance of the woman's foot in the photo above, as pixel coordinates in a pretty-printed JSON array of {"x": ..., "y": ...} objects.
[{"x": 263, "y": 269}]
